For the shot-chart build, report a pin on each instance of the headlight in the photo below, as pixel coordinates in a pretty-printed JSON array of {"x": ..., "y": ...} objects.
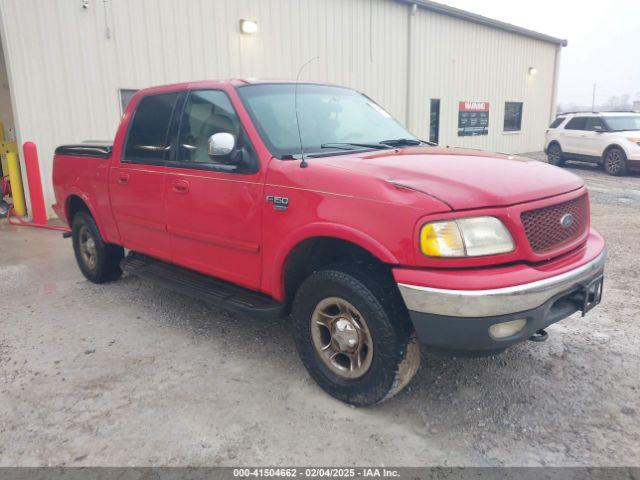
[{"x": 465, "y": 237}]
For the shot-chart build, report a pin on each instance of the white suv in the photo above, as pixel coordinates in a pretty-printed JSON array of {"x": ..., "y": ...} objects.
[{"x": 611, "y": 139}]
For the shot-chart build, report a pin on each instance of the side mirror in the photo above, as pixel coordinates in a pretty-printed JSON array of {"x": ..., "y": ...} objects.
[
  {"x": 598, "y": 129},
  {"x": 221, "y": 144}
]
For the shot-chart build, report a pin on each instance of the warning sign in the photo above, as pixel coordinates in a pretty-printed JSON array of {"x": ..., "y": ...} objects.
[{"x": 473, "y": 118}]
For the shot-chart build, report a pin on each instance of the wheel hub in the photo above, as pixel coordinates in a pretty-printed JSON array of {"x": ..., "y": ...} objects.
[
  {"x": 341, "y": 338},
  {"x": 344, "y": 335}
]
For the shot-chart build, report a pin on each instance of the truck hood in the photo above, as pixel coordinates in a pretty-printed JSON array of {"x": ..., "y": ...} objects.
[{"x": 463, "y": 179}]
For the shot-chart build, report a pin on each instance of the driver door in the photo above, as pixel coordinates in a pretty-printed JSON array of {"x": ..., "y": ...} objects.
[{"x": 213, "y": 204}]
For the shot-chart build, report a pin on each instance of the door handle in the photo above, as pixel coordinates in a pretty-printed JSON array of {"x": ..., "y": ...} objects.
[
  {"x": 180, "y": 186},
  {"x": 123, "y": 178}
]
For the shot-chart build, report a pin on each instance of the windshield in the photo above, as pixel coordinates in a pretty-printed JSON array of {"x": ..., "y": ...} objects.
[
  {"x": 331, "y": 118},
  {"x": 622, "y": 123}
]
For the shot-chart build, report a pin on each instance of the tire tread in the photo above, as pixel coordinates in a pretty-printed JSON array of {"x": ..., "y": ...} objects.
[{"x": 397, "y": 346}]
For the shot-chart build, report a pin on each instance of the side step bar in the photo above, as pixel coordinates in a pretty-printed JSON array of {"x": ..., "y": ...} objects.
[{"x": 201, "y": 287}]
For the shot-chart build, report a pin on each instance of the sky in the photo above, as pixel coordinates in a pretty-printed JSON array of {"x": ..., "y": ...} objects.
[{"x": 604, "y": 41}]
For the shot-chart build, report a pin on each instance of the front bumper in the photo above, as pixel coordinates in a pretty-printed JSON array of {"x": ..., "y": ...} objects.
[{"x": 459, "y": 320}]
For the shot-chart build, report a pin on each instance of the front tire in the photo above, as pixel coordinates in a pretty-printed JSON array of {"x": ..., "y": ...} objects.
[
  {"x": 615, "y": 162},
  {"x": 353, "y": 334},
  {"x": 99, "y": 262},
  {"x": 554, "y": 155}
]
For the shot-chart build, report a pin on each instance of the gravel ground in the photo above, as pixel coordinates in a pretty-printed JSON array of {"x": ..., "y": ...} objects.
[{"x": 130, "y": 374}]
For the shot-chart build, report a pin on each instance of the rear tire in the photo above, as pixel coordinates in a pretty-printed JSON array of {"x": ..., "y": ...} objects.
[
  {"x": 615, "y": 162},
  {"x": 555, "y": 155},
  {"x": 99, "y": 262},
  {"x": 354, "y": 335}
]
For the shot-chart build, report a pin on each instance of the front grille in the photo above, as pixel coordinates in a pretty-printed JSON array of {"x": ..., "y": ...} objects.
[{"x": 544, "y": 229}]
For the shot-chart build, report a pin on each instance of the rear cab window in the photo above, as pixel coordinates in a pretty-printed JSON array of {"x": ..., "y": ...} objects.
[{"x": 557, "y": 122}]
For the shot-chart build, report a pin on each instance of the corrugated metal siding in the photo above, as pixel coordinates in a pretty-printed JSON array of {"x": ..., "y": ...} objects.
[
  {"x": 458, "y": 61},
  {"x": 65, "y": 73}
]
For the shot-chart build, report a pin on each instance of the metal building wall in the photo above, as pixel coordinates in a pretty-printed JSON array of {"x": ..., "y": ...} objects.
[
  {"x": 66, "y": 63},
  {"x": 455, "y": 60}
]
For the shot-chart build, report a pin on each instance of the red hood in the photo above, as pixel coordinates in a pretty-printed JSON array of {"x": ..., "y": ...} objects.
[{"x": 463, "y": 179}]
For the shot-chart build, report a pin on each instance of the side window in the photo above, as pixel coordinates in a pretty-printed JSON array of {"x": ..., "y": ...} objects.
[
  {"x": 512, "y": 116},
  {"x": 576, "y": 123},
  {"x": 593, "y": 122},
  {"x": 206, "y": 113},
  {"x": 556, "y": 123},
  {"x": 147, "y": 139}
]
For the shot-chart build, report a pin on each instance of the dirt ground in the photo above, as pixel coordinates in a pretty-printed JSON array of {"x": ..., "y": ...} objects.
[{"x": 130, "y": 374}]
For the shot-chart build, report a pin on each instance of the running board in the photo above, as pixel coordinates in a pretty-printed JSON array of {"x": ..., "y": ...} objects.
[{"x": 202, "y": 287}]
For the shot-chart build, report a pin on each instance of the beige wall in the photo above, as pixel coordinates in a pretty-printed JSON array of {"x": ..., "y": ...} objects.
[
  {"x": 6, "y": 115},
  {"x": 67, "y": 63}
]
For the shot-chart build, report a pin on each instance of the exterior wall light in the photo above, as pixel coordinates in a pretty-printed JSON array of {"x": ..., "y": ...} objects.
[
  {"x": 248, "y": 27},
  {"x": 533, "y": 71}
]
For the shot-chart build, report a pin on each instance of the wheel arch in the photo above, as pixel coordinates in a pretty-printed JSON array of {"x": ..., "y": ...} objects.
[
  {"x": 609, "y": 148},
  {"x": 76, "y": 202},
  {"x": 320, "y": 245}
]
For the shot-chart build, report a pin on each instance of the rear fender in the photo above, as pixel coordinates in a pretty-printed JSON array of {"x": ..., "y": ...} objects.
[{"x": 88, "y": 201}]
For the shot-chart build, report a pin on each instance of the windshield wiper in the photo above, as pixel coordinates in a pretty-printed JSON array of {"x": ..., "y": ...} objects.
[
  {"x": 406, "y": 142},
  {"x": 350, "y": 145}
]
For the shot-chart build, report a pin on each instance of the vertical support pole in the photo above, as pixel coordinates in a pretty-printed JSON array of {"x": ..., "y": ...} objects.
[
  {"x": 17, "y": 192},
  {"x": 38, "y": 212},
  {"x": 413, "y": 9},
  {"x": 553, "y": 109}
]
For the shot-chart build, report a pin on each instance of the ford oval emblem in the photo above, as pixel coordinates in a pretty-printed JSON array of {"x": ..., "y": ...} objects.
[{"x": 567, "y": 220}]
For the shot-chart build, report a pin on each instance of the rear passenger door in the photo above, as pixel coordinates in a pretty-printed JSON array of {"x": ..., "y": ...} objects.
[
  {"x": 574, "y": 135},
  {"x": 137, "y": 178},
  {"x": 214, "y": 204}
]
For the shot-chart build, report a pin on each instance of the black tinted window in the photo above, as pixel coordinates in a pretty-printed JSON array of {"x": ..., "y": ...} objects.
[
  {"x": 147, "y": 140},
  {"x": 576, "y": 123},
  {"x": 512, "y": 116},
  {"x": 556, "y": 123}
]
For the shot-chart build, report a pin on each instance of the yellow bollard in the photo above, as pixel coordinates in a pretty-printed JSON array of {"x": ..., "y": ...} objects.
[
  {"x": 3, "y": 162},
  {"x": 17, "y": 192}
]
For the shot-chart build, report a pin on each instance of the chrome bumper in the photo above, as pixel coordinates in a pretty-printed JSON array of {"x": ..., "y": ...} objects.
[{"x": 498, "y": 301}]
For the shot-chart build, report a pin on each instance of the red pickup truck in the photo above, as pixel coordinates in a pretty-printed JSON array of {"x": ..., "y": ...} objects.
[{"x": 310, "y": 200}]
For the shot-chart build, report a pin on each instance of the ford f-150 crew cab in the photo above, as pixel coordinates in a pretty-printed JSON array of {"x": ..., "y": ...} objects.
[{"x": 309, "y": 200}]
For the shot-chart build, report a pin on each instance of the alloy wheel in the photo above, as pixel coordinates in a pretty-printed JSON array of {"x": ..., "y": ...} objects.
[
  {"x": 614, "y": 162},
  {"x": 341, "y": 338},
  {"x": 88, "y": 249},
  {"x": 554, "y": 154}
]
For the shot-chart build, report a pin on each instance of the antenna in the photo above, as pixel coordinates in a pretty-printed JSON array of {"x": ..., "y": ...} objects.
[{"x": 303, "y": 163}]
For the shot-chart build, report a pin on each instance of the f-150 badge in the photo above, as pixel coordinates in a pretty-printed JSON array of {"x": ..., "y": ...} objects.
[{"x": 279, "y": 203}]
